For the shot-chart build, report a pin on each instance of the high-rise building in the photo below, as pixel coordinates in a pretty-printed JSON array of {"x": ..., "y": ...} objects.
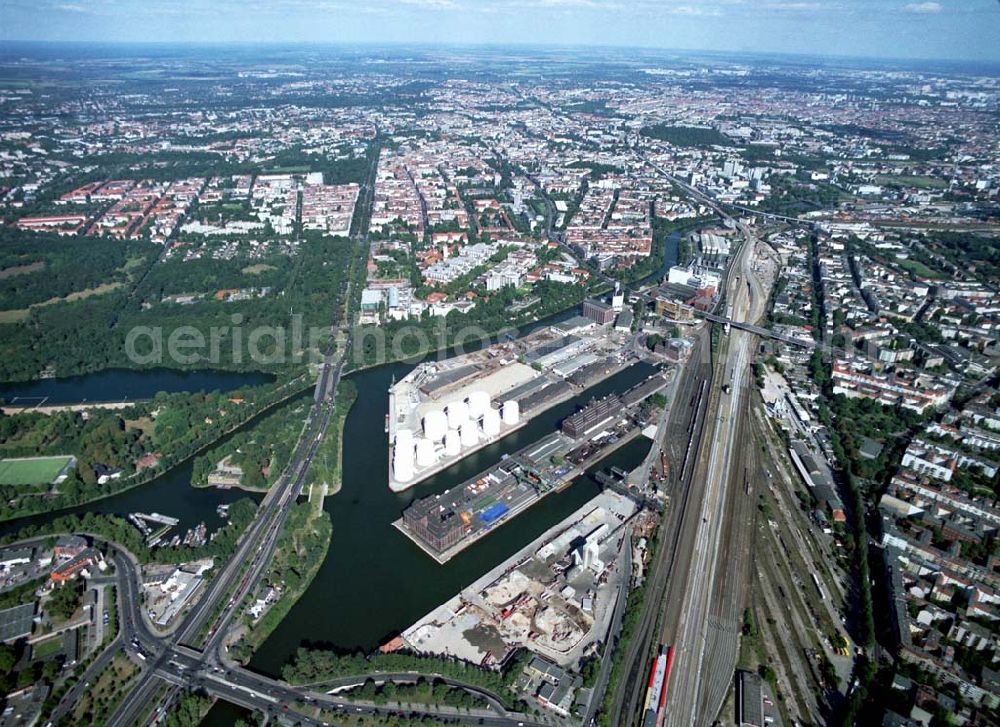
[{"x": 598, "y": 311}]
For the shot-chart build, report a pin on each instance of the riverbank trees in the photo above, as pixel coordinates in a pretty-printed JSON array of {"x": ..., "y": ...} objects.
[{"x": 143, "y": 441}]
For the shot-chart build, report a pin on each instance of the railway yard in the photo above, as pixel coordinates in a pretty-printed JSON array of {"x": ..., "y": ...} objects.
[{"x": 810, "y": 664}]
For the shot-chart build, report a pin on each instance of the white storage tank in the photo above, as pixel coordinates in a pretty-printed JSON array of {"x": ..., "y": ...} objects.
[
  {"x": 491, "y": 422},
  {"x": 435, "y": 425},
  {"x": 426, "y": 455},
  {"x": 404, "y": 440},
  {"x": 402, "y": 465},
  {"x": 511, "y": 413},
  {"x": 470, "y": 436},
  {"x": 479, "y": 402},
  {"x": 452, "y": 443},
  {"x": 458, "y": 414}
]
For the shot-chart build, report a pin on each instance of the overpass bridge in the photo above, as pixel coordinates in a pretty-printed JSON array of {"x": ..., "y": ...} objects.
[{"x": 763, "y": 332}]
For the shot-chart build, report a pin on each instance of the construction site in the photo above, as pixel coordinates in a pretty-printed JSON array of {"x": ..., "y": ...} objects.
[{"x": 555, "y": 596}]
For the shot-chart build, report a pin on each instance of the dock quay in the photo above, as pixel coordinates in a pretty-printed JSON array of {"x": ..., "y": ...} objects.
[
  {"x": 157, "y": 518},
  {"x": 443, "y": 525}
]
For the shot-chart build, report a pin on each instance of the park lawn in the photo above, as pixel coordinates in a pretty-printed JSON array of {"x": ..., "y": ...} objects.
[
  {"x": 146, "y": 425},
  {"x": 21, "y": 270},
  {"x": 919, "y": 269},
  {"x": 83, "y": 294},
  {"x": 44, "y": 649},
  {"x": 20, "y": 314},
  {"x": 31, "y": 470},
  {"x": 14, "y": 316}
]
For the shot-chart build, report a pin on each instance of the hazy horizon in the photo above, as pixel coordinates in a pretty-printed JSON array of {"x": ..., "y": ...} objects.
[{"x": 948, "y": 30}]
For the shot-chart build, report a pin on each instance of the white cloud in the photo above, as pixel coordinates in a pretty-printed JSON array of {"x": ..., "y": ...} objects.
[
  {"x": 792, "y": 6},
  {"x": 690, "y": 10},
  {"x": 923, "y": 8},
  {"x": 432, "y": 4}
]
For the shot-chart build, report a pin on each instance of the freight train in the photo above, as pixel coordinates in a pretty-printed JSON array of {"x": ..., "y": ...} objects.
[{"x": 656, "y": 690}]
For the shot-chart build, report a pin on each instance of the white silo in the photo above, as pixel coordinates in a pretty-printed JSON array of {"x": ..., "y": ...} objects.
[
  {"x": 425, "y": 453},
  {"x": 435, "y": 425},
  {"x": 511, "y": 413},
  {"x": 470, "y": 437},
  {"x": 458, "y": 414},
  {"x": 479, "y": 402},
  {"x": 402, "y": 464},
  {"x": 404, "y": 440},
  {"x": 452, "y": 443},
  {"x": 491, "y": 422}
]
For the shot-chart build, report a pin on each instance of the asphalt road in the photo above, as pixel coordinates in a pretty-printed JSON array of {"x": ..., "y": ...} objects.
[{"x": 243, "y": 571}]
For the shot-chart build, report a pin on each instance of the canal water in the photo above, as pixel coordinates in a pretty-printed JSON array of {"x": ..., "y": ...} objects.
[
  {"x": 127, "y": 385},
  {"x": 671, "y": 253},
  {"x": 375, "y": 581}
]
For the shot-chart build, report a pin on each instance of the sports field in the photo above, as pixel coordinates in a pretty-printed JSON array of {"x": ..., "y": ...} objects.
[{"x": 32, "y": 470}]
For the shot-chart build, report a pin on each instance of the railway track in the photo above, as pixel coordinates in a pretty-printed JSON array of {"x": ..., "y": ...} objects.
[{"x": 683, "y": 437}]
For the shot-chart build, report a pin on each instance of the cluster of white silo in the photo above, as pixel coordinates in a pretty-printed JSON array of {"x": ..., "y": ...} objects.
[
  {"x": 469, "y": 434},
  {"x": 456, "y": 427},
  {"x": 426, "y": 456},
  {"x": 458, "y": 414}
]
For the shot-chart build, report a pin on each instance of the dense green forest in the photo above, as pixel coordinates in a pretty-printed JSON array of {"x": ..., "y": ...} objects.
[
  {"x": 91, "y": 334},
  {"x": 262, "y": 450},
  {"x": 37, "y": 267}
]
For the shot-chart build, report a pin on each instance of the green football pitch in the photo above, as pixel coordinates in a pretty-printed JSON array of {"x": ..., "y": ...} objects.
[{"x": 31, "y": 470}]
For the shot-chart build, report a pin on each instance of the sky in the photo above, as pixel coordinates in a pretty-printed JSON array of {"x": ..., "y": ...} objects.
[{"x": 936, "y": 29}]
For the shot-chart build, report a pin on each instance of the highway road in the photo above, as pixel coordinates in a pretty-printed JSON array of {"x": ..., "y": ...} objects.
[
  {"x": 253, "y": 552},
  {"x": 204, "y": 626}
]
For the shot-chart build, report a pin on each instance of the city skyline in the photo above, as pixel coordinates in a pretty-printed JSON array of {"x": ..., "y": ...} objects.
[{"x": 884, "y": 29}]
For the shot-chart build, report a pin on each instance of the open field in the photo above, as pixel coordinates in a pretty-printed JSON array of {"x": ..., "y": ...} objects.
[
  {"x": 919, "y": 269},
  {"x": 31, "y": 470},
  {"x": 20, "y": 314},
  {"x": 81, "y": 294},
  {"x": 14, "y": 316},
  {"x": 21, "y": 270},
  {"x": 257, "y": 269},
  {"x": 44, "y": 649},
  {"x": 920, "y": 182}
]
